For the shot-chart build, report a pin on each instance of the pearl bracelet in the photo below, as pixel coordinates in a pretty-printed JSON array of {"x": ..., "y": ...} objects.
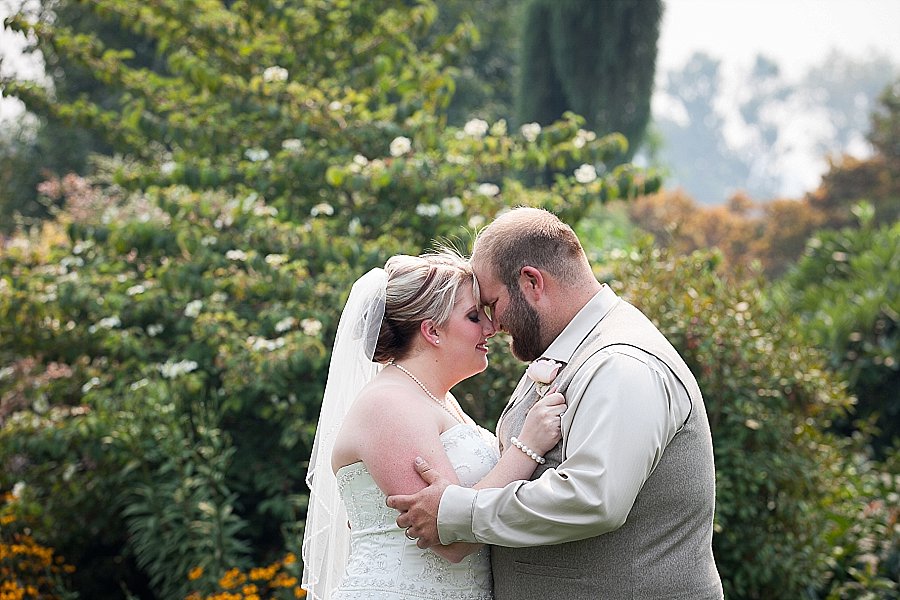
[{"x": 531, "y": 453}]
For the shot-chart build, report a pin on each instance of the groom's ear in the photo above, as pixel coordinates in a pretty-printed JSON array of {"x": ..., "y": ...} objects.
[{"x": 531, "y": 282}]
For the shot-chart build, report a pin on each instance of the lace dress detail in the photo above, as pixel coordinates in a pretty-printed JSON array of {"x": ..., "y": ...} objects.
[{"x": 383, "y": 564}]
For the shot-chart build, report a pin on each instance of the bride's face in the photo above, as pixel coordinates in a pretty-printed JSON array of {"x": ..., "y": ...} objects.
[{"x": 464, "y": 336}]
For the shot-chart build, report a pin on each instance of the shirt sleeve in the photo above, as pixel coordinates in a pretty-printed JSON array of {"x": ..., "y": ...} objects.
[{"x": 623, "y": 411}]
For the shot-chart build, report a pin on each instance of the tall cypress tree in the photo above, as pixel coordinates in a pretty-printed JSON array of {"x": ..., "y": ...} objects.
[{"x": 594, "y": 57}]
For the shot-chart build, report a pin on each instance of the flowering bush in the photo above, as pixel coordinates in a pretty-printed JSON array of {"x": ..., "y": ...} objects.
[
  {"x": 165, "y": 340},
  {"x": 277, "y": 581},
  {"x": 28, "y": 569}
]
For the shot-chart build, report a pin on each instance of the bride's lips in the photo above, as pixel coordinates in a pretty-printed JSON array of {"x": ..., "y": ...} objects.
[{"x": 482, "y": 346}]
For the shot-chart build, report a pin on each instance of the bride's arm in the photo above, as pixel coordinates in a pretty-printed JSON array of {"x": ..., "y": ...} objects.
[
  {"x": 389, "y": 445},
  {"x": 390, "y": 429},
  {"x": 540, "y": 433}
]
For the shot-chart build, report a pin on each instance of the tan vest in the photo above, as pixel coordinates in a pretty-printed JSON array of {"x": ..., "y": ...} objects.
[{"x": 664, "y": 549}]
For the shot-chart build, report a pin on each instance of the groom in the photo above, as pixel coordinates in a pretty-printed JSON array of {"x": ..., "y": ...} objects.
[{"x": 623, "y": 506}]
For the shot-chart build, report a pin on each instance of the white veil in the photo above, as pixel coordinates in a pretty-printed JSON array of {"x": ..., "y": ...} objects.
[{"x": 326, "y": 538}]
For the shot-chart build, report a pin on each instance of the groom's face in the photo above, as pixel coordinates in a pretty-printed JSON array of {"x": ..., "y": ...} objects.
[{"x": 510, "y": 312}]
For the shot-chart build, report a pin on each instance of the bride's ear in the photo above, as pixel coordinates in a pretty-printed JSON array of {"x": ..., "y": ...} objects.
[{"x": 430, "y": 332}]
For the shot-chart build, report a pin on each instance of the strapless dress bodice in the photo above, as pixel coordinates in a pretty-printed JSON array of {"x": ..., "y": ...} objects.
[{"x": 383, "y": 563}]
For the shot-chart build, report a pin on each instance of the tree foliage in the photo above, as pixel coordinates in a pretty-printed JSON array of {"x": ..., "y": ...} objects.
[
  {"x": 846, "y": 289},
  {"x": 596, "y": 59},
  {"x": 791, "y": 498},
  {"x": 167, "y": 334},
  {"x": 850, "y": 180}
]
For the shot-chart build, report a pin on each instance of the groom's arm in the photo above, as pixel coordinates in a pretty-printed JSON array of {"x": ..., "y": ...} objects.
[{"x": 622, "y": 415}]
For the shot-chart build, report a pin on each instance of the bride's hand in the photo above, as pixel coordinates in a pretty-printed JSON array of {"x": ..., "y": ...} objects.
[{"x": 541, "y": 431}]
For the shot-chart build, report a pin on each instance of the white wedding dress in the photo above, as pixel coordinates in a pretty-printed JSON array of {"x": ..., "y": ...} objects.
[{"x": 383, "y": 563}]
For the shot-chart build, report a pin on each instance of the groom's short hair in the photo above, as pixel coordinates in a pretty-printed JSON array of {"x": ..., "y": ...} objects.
[{"x": 530, "y": 237}]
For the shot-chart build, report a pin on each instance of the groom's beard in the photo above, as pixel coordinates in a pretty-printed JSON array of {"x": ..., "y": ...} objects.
[{"x": 523, "y": 323}]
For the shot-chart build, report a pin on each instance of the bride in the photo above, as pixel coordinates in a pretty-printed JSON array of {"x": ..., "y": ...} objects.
[{"x": 408, "y": 333}]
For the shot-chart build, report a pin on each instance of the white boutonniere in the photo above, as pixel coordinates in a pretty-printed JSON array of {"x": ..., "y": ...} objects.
[{"x": 542, "y": 372}]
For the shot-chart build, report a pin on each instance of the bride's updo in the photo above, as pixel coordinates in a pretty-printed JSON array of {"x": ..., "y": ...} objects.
[{"x": 419, "y": 288}]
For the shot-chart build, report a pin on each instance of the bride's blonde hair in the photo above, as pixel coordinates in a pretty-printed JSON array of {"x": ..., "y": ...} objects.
[{"x": 419, "y": 288}]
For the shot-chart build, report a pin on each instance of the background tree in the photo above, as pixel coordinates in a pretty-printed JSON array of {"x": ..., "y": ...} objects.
[
  {"x": 49, "y": 145},
  {"x": 873, "y": 179},
  {"x": 167, "y": 333},
  {"x": 596, "y": 59},
  {"x": 695, "y": 134},
  {"x": 756, "y": 130},
  {"x": 846, "y": 291},
  {"x": 787, "y": 489},
  {"x": 484, "y": 77}
]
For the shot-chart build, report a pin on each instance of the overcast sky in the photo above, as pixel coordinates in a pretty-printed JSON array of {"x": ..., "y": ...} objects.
[{"x": 796, "y": 33}]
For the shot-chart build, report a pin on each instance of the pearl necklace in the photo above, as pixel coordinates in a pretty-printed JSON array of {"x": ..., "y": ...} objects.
[{"x": 458, "y": 415}]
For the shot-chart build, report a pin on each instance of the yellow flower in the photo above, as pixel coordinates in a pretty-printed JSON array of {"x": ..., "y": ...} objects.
[
  {"x": 299, "y": 592},
  {"x": 284, "y": 580},
  {"x": 249, "y": 589},
  {"x": 232, "y": 578},
  {"x": 263, "y": 573},
  {"x": 195, "y": 573},
  {"x": 290, "y": 558}
]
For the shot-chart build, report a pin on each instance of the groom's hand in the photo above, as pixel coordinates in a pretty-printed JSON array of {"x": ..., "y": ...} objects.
[{"x": 418, "y": 512}]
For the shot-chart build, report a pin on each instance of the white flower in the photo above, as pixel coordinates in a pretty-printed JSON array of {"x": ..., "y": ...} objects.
[
  {"x": 236, "y": 255},
  {"x": 360, "y": 160},
  {"x": 285, "y": 324},
  {"x": 258, "y": 343},
  {"x": 311, "y": 327},
  {"x": 323, "y": 208},
  {"x": 476, "y": 221},
  {"x": 18, "y": 488},
  {"x": 583, "y": 137},
  {"x": 90, "y": 384},
  {"x": 262, "y": 210},
  {"x": 107, "y": 323},
  {"x": 498, "y": 129},
  {"x": 476, "y": 128},
  {"x": 139, "y": 384},
  {"x": 256, "y": 154},
  {"x": 585, "y": 174},
  {"x": 488, "y": 189},
  {"x": 542, "y": 372},
  {"x": 400, "y": 146},
  {"x": 135, "y": 290},
  {"x": 154, "y": 329},
  {"x": 192, "y": 309},
  {"x": 427, "y": 210},
  {"x": 208, "y": 240},
  {"x": 171, "y": 370},
  {"x": 41, "y": 404},
  {"x": 530, "y": 131},
  {"x": 452, "y": 206},
  {"x": 275, "y": 259},
  {"x": 292, "y": 145},
  {"x": 275, "y": 73},
  {"x": 335, "y": 105},
  {"x": 167, "y": 168}
]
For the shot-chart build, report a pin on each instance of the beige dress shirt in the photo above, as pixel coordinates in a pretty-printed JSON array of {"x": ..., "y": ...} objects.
[{"x": 624, "y": 407}]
